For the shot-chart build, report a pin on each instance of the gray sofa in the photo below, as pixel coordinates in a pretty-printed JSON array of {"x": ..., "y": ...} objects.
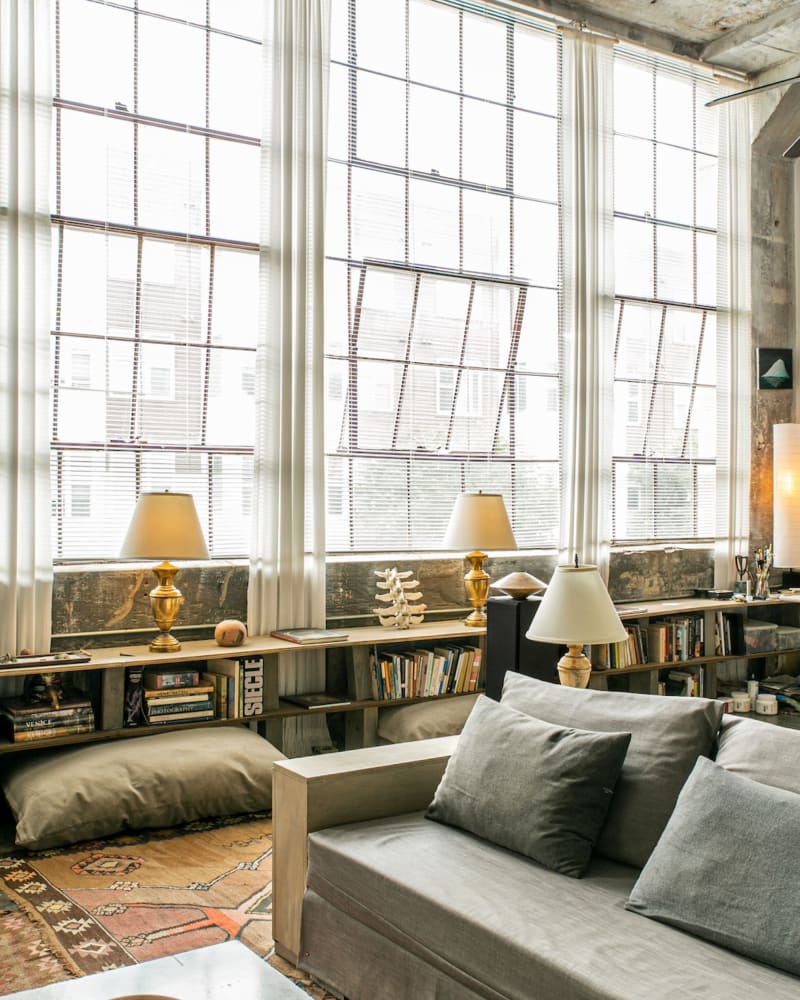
[{"x": 379, "y": 900}]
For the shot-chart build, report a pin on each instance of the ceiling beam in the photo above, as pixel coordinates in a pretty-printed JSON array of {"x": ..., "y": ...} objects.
[{"x": 749, "y": 34}]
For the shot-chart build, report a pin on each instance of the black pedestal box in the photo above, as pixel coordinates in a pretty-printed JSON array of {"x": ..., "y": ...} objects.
[{"x": 508, "y": 619}]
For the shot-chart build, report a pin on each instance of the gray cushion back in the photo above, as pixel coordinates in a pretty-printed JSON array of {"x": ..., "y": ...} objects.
[{"x": 667, "y": 737}]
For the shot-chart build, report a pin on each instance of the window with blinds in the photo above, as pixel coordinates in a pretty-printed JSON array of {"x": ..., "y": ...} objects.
[
  {"x": 665, "y": 200},
  {"x": 442, "y": 281},
  {"x": 157, "y": 125}
]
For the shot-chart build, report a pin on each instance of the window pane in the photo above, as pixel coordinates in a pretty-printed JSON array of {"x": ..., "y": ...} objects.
[
  {"x": 434, "y": 229},
  {"x": 633, "y": 176},
  {"x": 381, "y": 131},
  {"x": 535, "y": 156},
  {"x": 96, "y": 167},
  {"x": 90, "y": 73},
  {"x": 171, "y": 62},
  {"x": 380, "y": 36},
  {"x": 433, "y": 54},
  {"x": 487, "y": 233},
  {"x": 234, "y": 175},
  {"x": 433, "y": 132},
  {"x": 484, "y": 143},
  {"x": 171, "y": 181},
  {"x": 235, "y": 69}
]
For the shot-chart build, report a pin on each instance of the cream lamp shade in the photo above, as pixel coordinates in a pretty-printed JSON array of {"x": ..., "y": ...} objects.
[
  {"x": 479, "y": 521},
  {"x": 165, "y": 526},
  {"x": 576, "y": 610},
  {"x": 786, "y": 495}
]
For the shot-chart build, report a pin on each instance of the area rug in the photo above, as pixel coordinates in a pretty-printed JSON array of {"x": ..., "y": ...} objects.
[{"x": 110, "y": 903}]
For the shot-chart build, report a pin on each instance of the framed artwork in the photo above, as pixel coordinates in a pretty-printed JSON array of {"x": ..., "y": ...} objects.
[{"x": 774, "y": 368}]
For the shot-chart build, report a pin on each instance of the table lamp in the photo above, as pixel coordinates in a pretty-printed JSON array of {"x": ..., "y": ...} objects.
[
  {"x": 576, "y": 609},
  {"x": 165, "y": 526},
  {"x": 479, "y": 521}
]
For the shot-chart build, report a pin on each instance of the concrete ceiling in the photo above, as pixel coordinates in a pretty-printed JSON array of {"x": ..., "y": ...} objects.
[{"x": 752, "y": 36}]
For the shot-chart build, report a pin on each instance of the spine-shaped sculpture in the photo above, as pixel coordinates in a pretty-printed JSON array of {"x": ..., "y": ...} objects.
[{"x": 398, "y": 612}]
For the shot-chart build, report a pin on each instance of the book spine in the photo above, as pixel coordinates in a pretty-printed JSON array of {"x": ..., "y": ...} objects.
[
  {"x": 29, "y": 735},
  {"x": 48, "y": 722},
  {"x": 46, "y": 715},
  {"x": 180, "y": 708},
  {"x": 168, "y": 720},
  {"x": 253, "y": 686},
  {"x": 133, "y": 710},
  {"x": 171, "y": 679}
]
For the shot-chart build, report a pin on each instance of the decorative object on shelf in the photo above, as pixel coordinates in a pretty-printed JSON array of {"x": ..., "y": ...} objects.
[
  {"x": 479, "y": 521},
  {"x": 165, "y": 526},
  {"x": 399, "y": 611},
  {"x": 786, "y": 501},
  {"x": 576, "y": 610},
  {"x": 742, "y": 585},
  {"x": 230, "y": 633},
  {"x": 763, "y": 566},
  {"x": 519, "y": 585}
]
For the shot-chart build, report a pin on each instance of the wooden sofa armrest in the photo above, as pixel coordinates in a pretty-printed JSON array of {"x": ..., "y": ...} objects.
[{"x": 312, "y": 793}]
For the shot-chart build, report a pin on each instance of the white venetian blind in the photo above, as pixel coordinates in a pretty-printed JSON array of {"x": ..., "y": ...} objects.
[
  {"x": 158, "y": 118},
  {"x": 666, "y": 355},
  {"x": 442, "y": 283}
]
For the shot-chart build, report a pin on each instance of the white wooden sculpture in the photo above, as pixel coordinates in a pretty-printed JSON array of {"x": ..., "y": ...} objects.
[{"x": 398, "y": 612}]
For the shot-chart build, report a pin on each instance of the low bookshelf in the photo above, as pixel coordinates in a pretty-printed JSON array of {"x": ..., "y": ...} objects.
[
  {"x": 104, "y": 677},
  {"x": 697, "y": 635}
]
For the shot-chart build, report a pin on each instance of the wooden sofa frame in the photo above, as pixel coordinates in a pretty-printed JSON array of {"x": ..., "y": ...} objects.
[{"x": 312, "y": 793}]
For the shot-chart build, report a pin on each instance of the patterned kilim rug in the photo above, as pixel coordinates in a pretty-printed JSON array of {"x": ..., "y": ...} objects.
[{"x": 109, "y": 903}]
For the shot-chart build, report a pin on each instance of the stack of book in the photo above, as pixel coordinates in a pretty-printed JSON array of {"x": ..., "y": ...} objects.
[
  {"x": 27, "y": 721},
  {"x": 238, "y": 686},
  {"x": 175, "y": 695}
]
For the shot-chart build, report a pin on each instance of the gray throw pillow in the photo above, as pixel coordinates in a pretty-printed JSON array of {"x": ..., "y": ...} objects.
[
  {"x": 537, "y": 789},
  {"x": 667, "y": 737},
  {"x": 711, "y": 875},
  {"x": 761, "y": 751},
  {"x": 426, "y": 720},
  {"x": 64, "y": 796}
]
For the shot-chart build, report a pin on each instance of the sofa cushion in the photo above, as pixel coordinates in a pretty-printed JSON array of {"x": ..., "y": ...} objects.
[
  {"x": 63, "y": 796},
  {"x": 538, "y": 789},
  {"x": 667, "y": 736},
  {"x": 498, "y": 925},
  {"x": 761, "y": 751},
  {"x": 710, "y": 874},
  {"x": 425, "y": 720}
]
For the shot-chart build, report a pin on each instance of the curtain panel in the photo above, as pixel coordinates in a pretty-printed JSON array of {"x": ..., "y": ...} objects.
[
  {"x": 25, "y": 120},
  {"x": 587, "y": 196},
  {"x": 287, "y": 561},
  {"x": 735, "y": 371}
]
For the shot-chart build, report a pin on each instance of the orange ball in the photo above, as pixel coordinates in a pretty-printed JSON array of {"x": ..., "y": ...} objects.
[{"x": 230, "y": 633}]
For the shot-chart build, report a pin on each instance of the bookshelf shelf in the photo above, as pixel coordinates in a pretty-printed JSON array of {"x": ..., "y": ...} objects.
[
  {"x": 105, "y": 673},
  {"x": 784, "y": 609}
]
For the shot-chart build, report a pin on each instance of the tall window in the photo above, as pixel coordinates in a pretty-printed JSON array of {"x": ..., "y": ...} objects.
[
  {"x": 665, "y": 420},
  {"x": 158, "y": 121},
  {"x": 442, "y": 242}
]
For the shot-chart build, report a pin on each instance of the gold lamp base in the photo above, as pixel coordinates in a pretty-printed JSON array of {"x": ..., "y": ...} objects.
[
  {"x": 476, "y": 584},
  {"x": 574, "y": 669},
  {"x": 166, "y": 601}
]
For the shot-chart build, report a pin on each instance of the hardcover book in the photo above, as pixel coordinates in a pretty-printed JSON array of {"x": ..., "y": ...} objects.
[
  {"x": 309, "y": 635},
  {"x": 159, "y": 678}
]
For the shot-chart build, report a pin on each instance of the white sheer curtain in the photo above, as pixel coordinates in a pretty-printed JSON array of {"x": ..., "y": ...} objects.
[
  {"x": 25, "y": 117},
  {"x": 734, "y": 365},
  {"x": 287, "y": 564},
  {"x": 587, "y": 197}
]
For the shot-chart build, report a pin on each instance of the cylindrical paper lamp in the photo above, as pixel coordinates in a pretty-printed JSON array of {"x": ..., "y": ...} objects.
[{"x": 786, "y": 495}]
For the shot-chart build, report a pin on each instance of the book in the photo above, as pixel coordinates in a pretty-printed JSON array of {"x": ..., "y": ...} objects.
[
  {"x": 230, "y": 669},
  {"x": 48, "y": 720},
  {"x": 317, "y": 699},
  {"x": 252, "y": 679},
  {"x": 165, "y": 696},
  {"x": 157, "y": 678},
  {"x": 309, "y": 635},
  {"x": 155, "y": 709},
  {"x": 69, "y": 729},
  {"x": 133, "y": 706},
  {"x": 19, "y": 706},
  {"x": 206, "y": 715}
]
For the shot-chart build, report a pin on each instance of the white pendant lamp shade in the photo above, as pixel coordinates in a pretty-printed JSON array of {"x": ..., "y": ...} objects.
[{"x": 786, "y": 495}]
